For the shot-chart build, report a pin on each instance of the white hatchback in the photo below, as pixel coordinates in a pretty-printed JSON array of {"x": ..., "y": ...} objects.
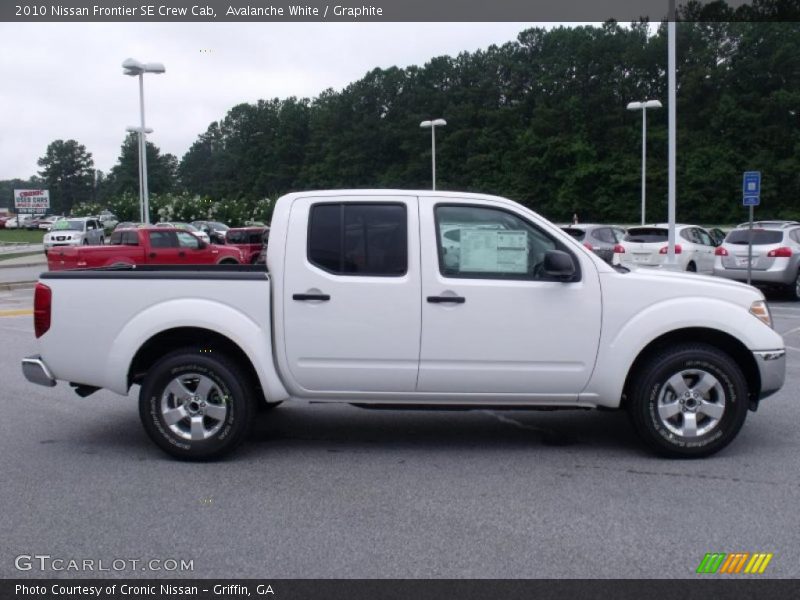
[{"x": 646, "y": 246}]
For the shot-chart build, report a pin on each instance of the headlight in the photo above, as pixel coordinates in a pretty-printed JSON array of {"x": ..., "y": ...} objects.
[{"x": 760, "y": 310}]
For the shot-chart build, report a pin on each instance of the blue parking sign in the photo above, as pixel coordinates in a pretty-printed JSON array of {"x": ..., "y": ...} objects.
[
  {"x": 751, "y": 200},
  {"x": 751, "y": 184}
]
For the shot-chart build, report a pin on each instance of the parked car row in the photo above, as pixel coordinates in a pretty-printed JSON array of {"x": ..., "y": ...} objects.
[{"x": 774, "y": 262}]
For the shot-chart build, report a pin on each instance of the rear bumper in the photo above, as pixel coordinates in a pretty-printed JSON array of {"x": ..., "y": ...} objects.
[
  {"x": 36, "y": 371},
  {"x": 782, "y": 276},
  {"x": 772, "y": 368}
]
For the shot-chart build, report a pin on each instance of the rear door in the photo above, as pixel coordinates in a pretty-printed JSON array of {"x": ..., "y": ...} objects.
[
  {"x": 492, "y": 321},
  {"x": 351, "y": 294},
  {"x": 706, "y": 249},
  {"x": 164, "y": 247}
]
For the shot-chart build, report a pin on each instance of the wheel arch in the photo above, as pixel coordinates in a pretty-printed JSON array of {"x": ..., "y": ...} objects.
[
  {"x": 720, "y": 340},
  {"x": 181, "y": 337}
]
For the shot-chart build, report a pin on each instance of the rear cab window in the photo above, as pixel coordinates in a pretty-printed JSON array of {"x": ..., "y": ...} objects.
[{"x": 356, "y": 238}]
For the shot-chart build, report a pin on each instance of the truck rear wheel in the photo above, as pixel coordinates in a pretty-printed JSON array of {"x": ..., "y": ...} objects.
[
  {"x": 688, "y": 401},
  {"x": 196, "y": 405}
]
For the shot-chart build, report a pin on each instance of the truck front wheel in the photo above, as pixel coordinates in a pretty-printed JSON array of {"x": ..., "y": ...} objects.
[
  {"x": 195, "y": 405},
  {"x": 688, "y": 400}
]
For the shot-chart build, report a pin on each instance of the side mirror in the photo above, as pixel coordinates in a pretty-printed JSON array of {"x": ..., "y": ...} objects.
[
  {"x": 201, "y": 245},
  {"x": 559, "y": 265}
]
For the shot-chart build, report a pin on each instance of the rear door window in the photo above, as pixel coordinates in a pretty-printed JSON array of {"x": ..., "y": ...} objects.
[
  {"x": 359, "y": 238},
  {"x": 163, "y": 239}
]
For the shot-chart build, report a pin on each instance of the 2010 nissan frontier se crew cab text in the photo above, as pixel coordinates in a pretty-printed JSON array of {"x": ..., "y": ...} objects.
[{"x": 411, "y": 299}]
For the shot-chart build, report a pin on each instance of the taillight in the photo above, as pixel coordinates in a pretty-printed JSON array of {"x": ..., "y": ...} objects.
[
  {"x": 619, "y": 249},
  {"x": 665, "y": 249},
  {"x": 588, "y": 245},
  {"x": 42, "y": 302},
  {"x": 782, "y": 252},
  {"x": 720, "y": 251}
]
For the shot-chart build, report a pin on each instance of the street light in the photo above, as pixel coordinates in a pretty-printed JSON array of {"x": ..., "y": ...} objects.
[
  {"x": 432, "y": 125},
  {"x": 135, "y": 68},
  {"x": 643, "y": 106},
  {"x": 138, "y": 130}
]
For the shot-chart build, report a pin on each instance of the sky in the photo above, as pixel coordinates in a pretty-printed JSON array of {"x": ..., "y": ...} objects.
[{"x": 65, "y": 81}]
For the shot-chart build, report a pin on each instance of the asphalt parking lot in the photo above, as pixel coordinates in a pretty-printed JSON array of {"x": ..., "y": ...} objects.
[{"x": 336, "y": 491}]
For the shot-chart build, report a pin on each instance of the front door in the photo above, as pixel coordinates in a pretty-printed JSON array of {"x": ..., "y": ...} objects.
[{"x": 492, "y": 321}]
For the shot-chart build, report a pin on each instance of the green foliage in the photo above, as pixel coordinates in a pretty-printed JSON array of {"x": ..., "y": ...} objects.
[
  {"x": 67, "y": 171},
  {"x": 162, "y": 170},
  {"x": 541, "y": 120}
]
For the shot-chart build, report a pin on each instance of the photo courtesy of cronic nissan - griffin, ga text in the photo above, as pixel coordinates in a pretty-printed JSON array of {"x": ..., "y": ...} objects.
[{"x": 369, "y": 298}]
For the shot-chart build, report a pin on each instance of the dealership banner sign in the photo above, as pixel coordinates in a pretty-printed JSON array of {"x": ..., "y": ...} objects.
[{"x": 32, "y": 201}]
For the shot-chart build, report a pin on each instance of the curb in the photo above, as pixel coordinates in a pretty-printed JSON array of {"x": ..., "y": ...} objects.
[
  {"x": 21, "y": 265},
  {"x": 17, "y": 285}
]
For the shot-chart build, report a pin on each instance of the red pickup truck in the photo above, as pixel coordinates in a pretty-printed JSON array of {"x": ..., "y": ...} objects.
[{"x": 144, "y": 246}]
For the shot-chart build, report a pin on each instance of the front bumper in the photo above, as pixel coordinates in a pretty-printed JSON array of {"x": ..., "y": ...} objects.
[
  {"x": 36, "y": 371},
  {"x": 772, "y": 368}
]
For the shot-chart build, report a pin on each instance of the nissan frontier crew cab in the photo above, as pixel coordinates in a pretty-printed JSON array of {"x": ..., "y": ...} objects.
[{"x": 409, "y": 299}]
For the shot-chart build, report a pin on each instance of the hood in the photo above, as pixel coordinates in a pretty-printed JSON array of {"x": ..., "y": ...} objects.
[{"x": 684, "y": 283}]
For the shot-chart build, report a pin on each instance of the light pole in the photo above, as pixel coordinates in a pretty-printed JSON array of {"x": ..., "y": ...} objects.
[
  {"x": 643, "y": 106},
  {"x": 135, "y": 68},
  {"x": 432, "y": 125},
  {"x": 139, "y": 131}
]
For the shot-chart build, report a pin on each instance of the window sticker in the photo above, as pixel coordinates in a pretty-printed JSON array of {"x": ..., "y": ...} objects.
[{"x": 487, "y": 251}]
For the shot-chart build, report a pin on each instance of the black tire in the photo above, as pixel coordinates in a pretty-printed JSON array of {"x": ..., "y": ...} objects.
[
  {"x": 653, "y": 398},
  {"x": 793, "y": 289},
  {"x": 228, "y": 261},
  {"x": 691, "y": 268},
  {"x": 229, "y": 396}
]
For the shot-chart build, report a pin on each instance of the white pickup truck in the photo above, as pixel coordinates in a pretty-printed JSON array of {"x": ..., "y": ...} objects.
[{"x": 400, "y": 299}]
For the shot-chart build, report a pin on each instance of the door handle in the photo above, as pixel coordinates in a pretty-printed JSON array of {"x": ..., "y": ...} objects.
[
  {"x": 444, "y": 299},
  {"x": 152, "y": 255},
  {"x": 303, "y": 297},
  {"x": 181, "y": 254}
]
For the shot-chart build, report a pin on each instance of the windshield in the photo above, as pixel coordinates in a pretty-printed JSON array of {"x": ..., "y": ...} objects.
[
  {"x": 645, "y": 235},
  {"x": 68, "y": 225},
  {"x": 218, "y": 226}
]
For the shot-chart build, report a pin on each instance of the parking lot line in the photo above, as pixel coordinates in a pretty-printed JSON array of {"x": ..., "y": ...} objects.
[{"x": 18, "y": 312}]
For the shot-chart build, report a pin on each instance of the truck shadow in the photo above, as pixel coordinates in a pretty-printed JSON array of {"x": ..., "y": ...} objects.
[{"x": 342, "y": 428}]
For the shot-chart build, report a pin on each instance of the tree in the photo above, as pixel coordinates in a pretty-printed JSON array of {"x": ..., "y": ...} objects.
[
  {"x": 162, "y": 170},
  {"x": 67, "y": 171}
]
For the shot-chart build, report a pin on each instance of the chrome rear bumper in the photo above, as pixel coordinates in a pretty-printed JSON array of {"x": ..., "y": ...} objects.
[{"x": 36, "y": 371}]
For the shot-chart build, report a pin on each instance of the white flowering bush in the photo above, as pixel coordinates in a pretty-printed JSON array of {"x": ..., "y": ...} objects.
[{"x": 185, "y": 208}]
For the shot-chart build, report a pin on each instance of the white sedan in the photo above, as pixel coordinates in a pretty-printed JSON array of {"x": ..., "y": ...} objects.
[{"x": 646, "y": 246}]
